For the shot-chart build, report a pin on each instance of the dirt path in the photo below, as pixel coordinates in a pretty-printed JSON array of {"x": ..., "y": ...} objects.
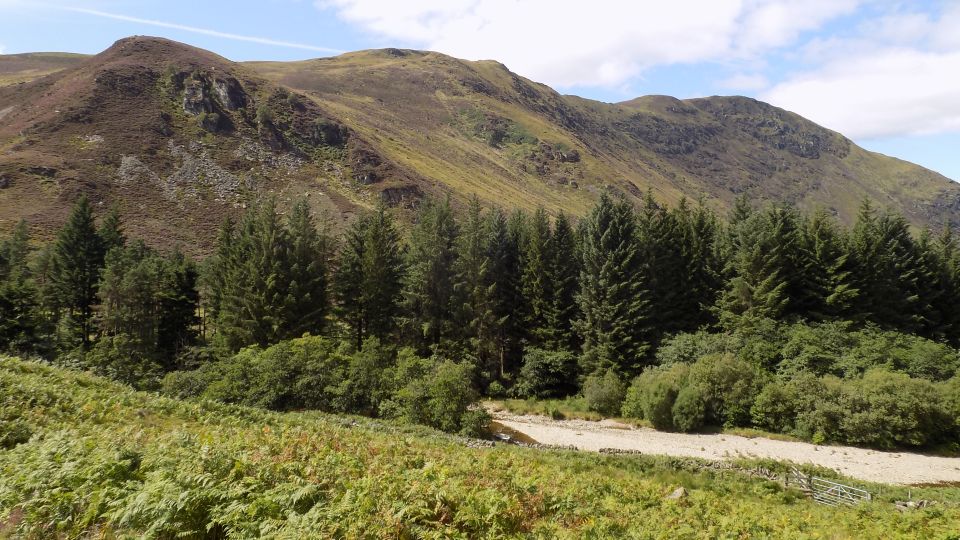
[{"x": 870, "y": 465}]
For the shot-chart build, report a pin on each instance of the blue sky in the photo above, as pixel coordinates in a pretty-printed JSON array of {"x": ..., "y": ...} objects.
[{"x": 884, "y": 72}]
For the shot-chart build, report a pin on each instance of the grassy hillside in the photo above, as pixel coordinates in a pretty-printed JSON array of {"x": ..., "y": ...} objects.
[
  {"x": 83, "y": 457},
  {"x": 20, "y": 68},
  {"x": 476, "y": 127},
  {"x": 179, "y": 137}
]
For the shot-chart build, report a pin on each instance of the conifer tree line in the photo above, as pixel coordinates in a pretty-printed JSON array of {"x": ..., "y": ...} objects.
[{"x": 535, "y": 302}]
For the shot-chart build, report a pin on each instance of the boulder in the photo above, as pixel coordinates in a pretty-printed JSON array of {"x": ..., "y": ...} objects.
[{"x": 678, "y": 493}]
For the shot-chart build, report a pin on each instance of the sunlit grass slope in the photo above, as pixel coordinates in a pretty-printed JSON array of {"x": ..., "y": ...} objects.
[{"x": 87, "y": 458}]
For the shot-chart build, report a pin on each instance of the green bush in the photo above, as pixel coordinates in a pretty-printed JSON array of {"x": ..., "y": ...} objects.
[
  {"x": 652, "y": 395},
  {"x": 440, "y": 396},
  {"x": 188, "y": 384},
  {"x": 887, "y": 410},
  {"x": 318, "y": 373},
  {"x": 833, "y": 349},
  {"x": 13, "y": 432},
  {"x": 689, "y": 410},
  {"x": 546, "y": 374},
  {"x": 815, "y": 348},
  {"x": 604, "y": 393},
  {"x": 728, "y": 386},
  {"x": 819, "y": 412},
  {"x": 760, "y": 342},
  {"x": 775, "y": 408},
  {"x": 688, "y": 348},
  {"x": 915, "y": 356},
  {"x": 123, "y": 359},
  {"x": 304, "y": 373},
  {"x": 496, "y": 390}
]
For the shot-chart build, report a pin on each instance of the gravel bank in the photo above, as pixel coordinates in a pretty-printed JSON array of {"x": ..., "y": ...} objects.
[{"x": 864, "y": 464}]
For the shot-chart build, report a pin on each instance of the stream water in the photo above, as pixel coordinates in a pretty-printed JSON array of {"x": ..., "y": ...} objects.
[{"x": 501, "y": 433}]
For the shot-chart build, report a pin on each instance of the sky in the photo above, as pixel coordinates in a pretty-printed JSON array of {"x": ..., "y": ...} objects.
[{"x": 885, "y": 73}]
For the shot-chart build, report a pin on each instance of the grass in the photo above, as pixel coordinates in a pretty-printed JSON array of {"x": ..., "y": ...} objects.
[{"x": 96, "y": 459}]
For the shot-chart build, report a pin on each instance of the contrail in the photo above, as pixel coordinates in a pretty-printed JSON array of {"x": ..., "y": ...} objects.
[{"x": 204, "y": 31}]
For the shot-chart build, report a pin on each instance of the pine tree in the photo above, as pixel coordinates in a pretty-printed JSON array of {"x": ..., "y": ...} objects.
[
  {"x": 703, "y": 280},
  {"x": 215, "y": 277},
  {"x": 178, "y": 301},
  {"x": 662, "y": 247},
  {"x": 111, "y": 231},
  {"x": 759, "y": 267},
  {"x": 429, "y": 300},
  {"x": 830, "y": 271},
  {"x": 537, "y": 279},
  {"x": 369, "y": 278},
  {"x": 128, "y": 295},
  {"x": 308, "y": 300},
  {"x": 613, "y": 299},
  {"x": 255, "y": 282},
  {"x": 20, "y": 322},
  {"x": 505, "y": 276},
  {"x": 77, "y": 260},
  {"x": 949, "y": 266},
  {"x": 14, "y": 251},
  {"x": 934, "y": 298},
  {"x": 564, "y": 274},
  {"x": 887, "y": 270},
  {"x": 475, "y": 290}
]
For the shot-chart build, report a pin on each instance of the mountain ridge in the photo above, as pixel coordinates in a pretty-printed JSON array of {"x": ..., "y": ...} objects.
[{"x": 179, "y": 137}]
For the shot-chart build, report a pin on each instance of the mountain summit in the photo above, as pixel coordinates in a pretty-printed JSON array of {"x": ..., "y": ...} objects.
[{"x": 178, "y": 137}]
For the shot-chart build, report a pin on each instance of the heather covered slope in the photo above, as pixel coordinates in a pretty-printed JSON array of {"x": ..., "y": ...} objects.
[
  {"x": 21, "y": 68},
  {"x": 477, "y": 127},
  {"x": 179, "y": 137},
  {"x": 84, "y": 457}
]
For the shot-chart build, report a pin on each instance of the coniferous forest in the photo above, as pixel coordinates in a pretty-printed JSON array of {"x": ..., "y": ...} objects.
[{"x": 769, "y": 318}]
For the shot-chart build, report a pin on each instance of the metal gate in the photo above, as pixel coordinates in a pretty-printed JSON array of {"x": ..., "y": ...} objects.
[{"x": 827, "y": 491}]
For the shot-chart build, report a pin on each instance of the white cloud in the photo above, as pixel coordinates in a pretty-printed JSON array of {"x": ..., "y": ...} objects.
[
  {"x": 3, "y": 49},
  {"x": 598, "y": 43},
  {"x": 745, "y": 82},
  {"x": 775, "y": 24},
  {"x": 204, "y": 31},
  {"x": 894, "y": 91}
]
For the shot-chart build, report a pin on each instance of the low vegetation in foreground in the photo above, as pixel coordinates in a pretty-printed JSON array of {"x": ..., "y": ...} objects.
[{"x": 85, "y": 457}]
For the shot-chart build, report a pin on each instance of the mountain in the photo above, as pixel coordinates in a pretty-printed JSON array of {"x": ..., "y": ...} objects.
[{"x": 178, "y": 137}]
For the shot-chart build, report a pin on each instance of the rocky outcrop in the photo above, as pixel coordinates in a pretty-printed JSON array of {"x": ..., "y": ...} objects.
[{"x": 196, "y": 100}]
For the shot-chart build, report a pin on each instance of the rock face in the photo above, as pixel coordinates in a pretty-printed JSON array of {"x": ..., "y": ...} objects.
[{"x": 195, "y": 98}]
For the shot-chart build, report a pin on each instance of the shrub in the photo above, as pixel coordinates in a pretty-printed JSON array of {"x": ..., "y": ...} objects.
[
  {"x": 775, "y": 408},
  {"x": 188, "y": 384},
  {"x": 915, "y": 356},
  {"x": 121, "y": 358},
  {"x": 362, "y": 386},
  {"x": 688, "y": 348},
  {"x": 440, "y": 397},
  {"x": 653, "y": 394},
  {"x": 495, "y": 389},
  {"x": 728, "y": 386},
  {"x": 815, "y": 349},
  {"x": 604, "y": 393},
  {"x": 547, "y": 374},
  {"x": 887, "y": 409},
  {"x": 689, "y": 410},
  {"x": 13, "y": 432},
  {"x": 818, "y": 412},
  {"x": 759, "y": 342},
  {"x": 304, "y": 373}
]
